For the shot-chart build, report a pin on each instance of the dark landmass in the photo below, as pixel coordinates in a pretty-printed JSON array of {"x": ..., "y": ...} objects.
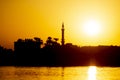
[{"x": 29, "y": 52}]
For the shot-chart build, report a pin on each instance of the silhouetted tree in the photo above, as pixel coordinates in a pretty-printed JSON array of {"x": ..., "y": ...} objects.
[
  {"x": 38, "y": 40},
  {"x": 6, "y": 56},
  {"x": 56, "y": 39}
]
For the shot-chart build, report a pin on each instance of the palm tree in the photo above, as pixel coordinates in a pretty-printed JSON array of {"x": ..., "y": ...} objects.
[
  {"x": 49, "y": 41},
  {"x": 56, "y": 39}
]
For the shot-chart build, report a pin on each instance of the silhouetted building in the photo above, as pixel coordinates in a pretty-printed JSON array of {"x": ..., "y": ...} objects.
[
  {"x": 63, "y": 41},
  {"x": 69, "y": 44},
  {"x": 27, "y": 44},
  {"x": 52, "y": 42},
  {"x": 27, "y": 52}
]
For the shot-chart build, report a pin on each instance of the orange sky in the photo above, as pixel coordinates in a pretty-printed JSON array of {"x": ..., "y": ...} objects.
[{"x": 43, "y": 18}]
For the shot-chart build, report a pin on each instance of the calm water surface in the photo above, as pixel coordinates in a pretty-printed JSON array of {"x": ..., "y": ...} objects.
[{"x": 60, "y": 73}]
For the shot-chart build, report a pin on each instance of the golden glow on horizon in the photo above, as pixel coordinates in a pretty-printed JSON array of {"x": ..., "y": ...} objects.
[
  {"x": 91, "y": 28},
  {"x": 43, "y": 18},
  {"x": 92, "y": 73}
]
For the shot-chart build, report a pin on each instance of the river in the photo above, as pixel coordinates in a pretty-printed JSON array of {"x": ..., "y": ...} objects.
[{"x": 59, "y": 73}]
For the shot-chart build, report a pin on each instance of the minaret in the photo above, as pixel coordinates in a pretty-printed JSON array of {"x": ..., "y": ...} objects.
[{"x": 63, "y": 41}]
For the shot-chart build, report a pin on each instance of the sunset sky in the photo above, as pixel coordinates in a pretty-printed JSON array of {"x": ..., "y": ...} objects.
[{"x": 43, "y": 18}]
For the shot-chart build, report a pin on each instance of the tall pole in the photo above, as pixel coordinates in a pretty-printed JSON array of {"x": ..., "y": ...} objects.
[{"x": 63, "y": 41}]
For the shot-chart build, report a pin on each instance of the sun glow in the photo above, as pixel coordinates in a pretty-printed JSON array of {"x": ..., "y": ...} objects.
[
  {"x": 91, "y": 28},
  {"x": 92, "y": 73}
]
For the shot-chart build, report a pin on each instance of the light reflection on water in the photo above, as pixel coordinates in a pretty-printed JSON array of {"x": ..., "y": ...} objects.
[
  {"x": 92, "y": 73},
  {"x": 60, "y": 73}
]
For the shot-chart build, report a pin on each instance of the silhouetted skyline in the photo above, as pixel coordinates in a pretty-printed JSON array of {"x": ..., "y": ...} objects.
[
  {"x": 29, "y": 52},
  {"x": 26, "y": 19}
]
